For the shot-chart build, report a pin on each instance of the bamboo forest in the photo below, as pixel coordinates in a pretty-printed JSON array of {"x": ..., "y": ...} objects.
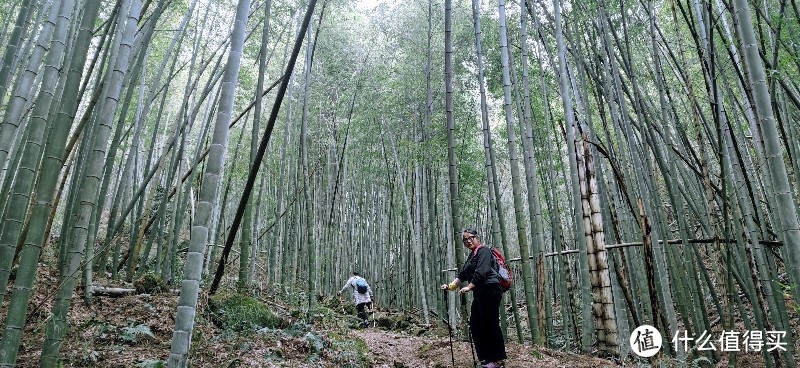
[{"x": 207, "y": 183}]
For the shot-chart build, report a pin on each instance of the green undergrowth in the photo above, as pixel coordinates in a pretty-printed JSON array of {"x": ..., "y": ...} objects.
[
  {"x": 348, "y": 351},
  {"x": 240, "y": 313},
  {"x": 233, "y": 330},
  {"x": 291, "y": 334},
  {"x": 301, "y": 338},
  {"x": 150, "y": 283}
]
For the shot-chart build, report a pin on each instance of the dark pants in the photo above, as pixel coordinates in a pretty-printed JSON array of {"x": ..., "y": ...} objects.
[
  {"x": 361, "y": 312},
  {"x": 484, "y": 323}
]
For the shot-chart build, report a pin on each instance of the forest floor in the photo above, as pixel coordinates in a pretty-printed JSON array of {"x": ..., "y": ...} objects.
[
  {"x": 135, "y": 330},
  {"x": 393, "y": 350}
]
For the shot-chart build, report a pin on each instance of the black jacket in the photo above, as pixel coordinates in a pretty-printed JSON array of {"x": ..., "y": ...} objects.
[{"x": 479, "y": 268}]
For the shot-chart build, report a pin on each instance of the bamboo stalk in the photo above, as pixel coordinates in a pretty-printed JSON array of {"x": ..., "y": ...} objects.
[{"x": 773, "y": 243}]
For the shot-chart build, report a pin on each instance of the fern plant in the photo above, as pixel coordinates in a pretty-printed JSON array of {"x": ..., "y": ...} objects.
[
  {"x": 697, "y": 363},
  {"x": 151, "y": 363},
  {"x": 131, "y": 333},
  {"x": 787, "y": 291}
]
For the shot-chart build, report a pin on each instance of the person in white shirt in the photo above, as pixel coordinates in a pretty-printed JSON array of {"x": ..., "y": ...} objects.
[{"x": 362, "y": 295}]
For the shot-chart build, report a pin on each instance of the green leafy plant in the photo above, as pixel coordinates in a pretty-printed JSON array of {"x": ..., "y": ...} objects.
[
  {"x": 698, "y": 363},
  {"x": 537, "y": 354},
  {"x": 150, "y": 283},
  {"x": 787, "y": 291},
  {"x": 298, "y": 328},
  {"x": 274, "y": 354},
  {"x": 347, "y": 351},
  {"x": 785, "y": 287},
  {"x": 132, "y": 333},
  {"x": 236, "y": 312},
  {"x": 90, "y": 357},
  {"x": 315, "y": 341},
  {"x": 151, "y": 363}
]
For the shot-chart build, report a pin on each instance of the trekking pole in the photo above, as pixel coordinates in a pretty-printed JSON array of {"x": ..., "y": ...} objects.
[
  {"x": 469, "y": 330},
  {"x": 449, "y": 328},
  {"x": 372, "y": 308}
]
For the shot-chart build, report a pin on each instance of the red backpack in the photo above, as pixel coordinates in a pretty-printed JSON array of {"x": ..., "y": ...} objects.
[{"x": 506, "y": 277}]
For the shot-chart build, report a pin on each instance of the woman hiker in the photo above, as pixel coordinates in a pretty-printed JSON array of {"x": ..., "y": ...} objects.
[{"x": 484, "y": 320}]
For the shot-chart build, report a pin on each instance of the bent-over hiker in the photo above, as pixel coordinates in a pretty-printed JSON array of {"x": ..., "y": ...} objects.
[{"x": 362, "y": 295}]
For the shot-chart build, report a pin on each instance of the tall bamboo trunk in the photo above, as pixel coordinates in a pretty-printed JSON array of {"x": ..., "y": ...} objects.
[
  {"x": 522, "y": 237},
  {"x": 602, "y": 298},
  {"x": 756, "y": 75},
  {"x": 488, "y": 144},
  {"x": 308, "y": 204},
  {"x": 190, "y": 287},
  {"x": 55, "y": 329},
  {"x": 35, "y": 237},
  {"x": 452, "y": 160},
  {"x": 10, "y": 55},
  {"x": 533, "y": 196},
  {"x": 569, "y": 117},
  {"x": 14, "y": 215}
]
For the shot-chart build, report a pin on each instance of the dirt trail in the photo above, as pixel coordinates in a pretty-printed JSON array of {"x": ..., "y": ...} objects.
[
  {"x": 136, "y": 330},
  {"x": 397, "y": 350}
]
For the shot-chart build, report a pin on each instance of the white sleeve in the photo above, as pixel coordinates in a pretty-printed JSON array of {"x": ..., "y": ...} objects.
[{"x": 346, "y": 284}]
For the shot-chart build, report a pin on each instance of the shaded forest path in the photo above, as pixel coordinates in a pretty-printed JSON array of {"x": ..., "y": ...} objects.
[
  {"x": 134, "y": 330},
  {"x": 395, "y": 350}
]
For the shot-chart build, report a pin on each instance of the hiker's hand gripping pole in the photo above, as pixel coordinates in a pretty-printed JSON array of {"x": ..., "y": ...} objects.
[{"x": 453, "y": 285}]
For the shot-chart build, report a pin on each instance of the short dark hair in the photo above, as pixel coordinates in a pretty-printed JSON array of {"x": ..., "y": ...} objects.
[
  {"x": 355, "y": 273},
  {"x": 471, "y": 231}
]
